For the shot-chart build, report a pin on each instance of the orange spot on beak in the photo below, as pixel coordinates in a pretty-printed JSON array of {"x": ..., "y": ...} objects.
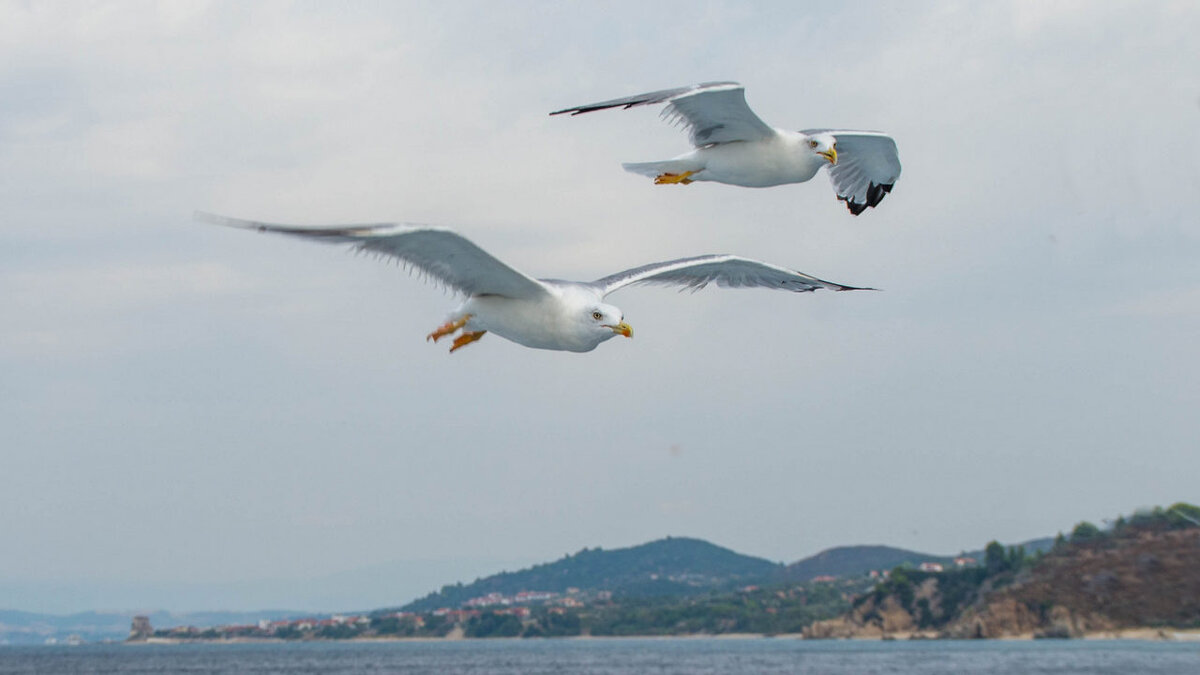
[{"x": 622, "y": 329}]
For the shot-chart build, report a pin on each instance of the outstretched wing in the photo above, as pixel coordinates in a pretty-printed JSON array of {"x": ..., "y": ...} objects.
[
  {"x": 439, "y": 253},
  {"x": 868, "y": 165},
  {"x": 730, "y": 271},
  {"x": 713, "y": 112}
]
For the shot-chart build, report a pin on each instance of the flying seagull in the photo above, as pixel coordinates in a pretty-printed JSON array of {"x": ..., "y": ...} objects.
[
  {"x": 734, "y": 146},
  {"x": 539, "y": 313}
]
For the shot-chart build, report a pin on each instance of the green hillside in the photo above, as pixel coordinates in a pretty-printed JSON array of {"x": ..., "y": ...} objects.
[{"x": 671, "y": 566}]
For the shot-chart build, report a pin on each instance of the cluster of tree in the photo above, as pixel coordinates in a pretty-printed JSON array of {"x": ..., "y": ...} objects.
[
  {"x": 425, "y": 625},
  {"x": 428, "y": 625},
  {"x": 768, "y": 610},
  {"x": 1179, "y": 515}
]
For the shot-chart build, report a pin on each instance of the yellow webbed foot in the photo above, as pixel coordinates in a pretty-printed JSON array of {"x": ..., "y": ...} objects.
[
  {"x": 448, "y": 328},
  {"x": 673, "y": 178},
  {"x": 466, "y": 339}
]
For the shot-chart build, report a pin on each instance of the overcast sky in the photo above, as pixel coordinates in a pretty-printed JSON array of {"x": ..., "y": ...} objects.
[{"x": 185, "y": 404}]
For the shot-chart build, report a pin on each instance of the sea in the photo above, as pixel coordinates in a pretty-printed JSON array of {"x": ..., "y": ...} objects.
[{"x": 688, "y": 656}]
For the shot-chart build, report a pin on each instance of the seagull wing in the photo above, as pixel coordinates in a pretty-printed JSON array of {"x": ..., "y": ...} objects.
[
  {"x": 730, "y": 271},
  {"x": 442, "y": 254},
  {"x": 713, "y": 112},
  {"x": 868, "y": 165}
]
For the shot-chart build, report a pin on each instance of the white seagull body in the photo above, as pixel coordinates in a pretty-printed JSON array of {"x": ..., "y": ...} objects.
[
  {"x": 734, "y": 146},
  {"x": 539, "y": 313}
]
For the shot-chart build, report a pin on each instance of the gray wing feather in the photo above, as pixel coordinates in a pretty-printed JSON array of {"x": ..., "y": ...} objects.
[
  {"x": 712, "y": 112},
  {"x": 442, "y": 254},
  {"x": 729, "y": 271},
  {"x": 868, "y": 166}
]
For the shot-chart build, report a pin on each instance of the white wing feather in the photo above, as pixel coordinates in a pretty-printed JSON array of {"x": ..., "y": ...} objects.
[
  {"x": 868, "y": 165},
  {"x": 442, "y": 254},
  {"x": 713, "y": 112},
  {"x": 730, "y": 271}
]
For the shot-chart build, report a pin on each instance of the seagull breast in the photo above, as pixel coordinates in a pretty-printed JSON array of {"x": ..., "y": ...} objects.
[
  {"x": 780, "y": 159},
  {"x": 553, "y": 321}
]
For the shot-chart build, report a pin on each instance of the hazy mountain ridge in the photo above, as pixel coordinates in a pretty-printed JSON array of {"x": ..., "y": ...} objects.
[{"x": 17, "y": 627}]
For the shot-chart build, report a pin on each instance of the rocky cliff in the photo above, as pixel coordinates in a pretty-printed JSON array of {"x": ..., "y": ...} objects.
[{"x": 1141, "y": 575}]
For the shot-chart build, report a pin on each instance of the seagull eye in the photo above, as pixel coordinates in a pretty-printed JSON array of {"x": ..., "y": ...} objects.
[
  {"x": 812, "y": 144},
  {"x": 597, "y": 316}
]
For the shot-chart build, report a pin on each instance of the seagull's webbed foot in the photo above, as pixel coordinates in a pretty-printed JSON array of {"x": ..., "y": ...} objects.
[
  {"x": 465, "y": 339},
  {"x": 673, "y": 178},
  {"x": 448, "y": 328}
]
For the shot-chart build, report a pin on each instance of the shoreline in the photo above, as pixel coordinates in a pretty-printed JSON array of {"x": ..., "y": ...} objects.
[{"x": 1142, "y": 634}]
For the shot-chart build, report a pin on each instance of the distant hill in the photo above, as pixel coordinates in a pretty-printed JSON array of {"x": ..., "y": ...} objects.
[
  {"x": 1031, "y": 547},
  {"x": 853, "y": 561},
  {"x": 671, "y": 566},
  {"x": 849, "y": 561}
]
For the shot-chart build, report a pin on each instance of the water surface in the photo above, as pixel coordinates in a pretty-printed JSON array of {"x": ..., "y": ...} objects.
[{"x": 617, "y": 657}]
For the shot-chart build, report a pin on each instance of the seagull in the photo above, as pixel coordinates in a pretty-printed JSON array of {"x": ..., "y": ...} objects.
[
  {"x": 539, "y": 313},
  {"x": 734, "y": 146}
]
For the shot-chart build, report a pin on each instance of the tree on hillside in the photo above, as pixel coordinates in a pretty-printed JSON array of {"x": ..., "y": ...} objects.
[
  {"x": 491, "y": 624},
  {"x": 1016, "y": 557},
  {"x": 994, "y": 558},
  {"x": 1085, "y": 531}
]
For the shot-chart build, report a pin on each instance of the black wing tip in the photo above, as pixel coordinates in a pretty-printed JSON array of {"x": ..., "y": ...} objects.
[
  {"x": 239, "y": 223},
  {"x": 593, "y": 108},
  {"x": 875, "y": 194}
]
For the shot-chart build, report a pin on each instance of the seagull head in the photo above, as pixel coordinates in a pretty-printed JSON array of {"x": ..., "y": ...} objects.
[
  {"x": 605, "y": 321},
  {"x": 824, "y": 145}
]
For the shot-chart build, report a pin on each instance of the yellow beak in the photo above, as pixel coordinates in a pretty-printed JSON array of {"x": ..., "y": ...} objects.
[
  {"x": 623, "y": 329},
  {"x": 830, "y": 154}
]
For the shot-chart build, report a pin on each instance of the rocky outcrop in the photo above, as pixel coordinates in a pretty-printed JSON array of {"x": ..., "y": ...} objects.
[
  {"x": 1145, "y": 578},
  {"x": 876, "y": 616},
  {"x": 1006, "y": 617},
  {"x": 1136, "y": 577}
]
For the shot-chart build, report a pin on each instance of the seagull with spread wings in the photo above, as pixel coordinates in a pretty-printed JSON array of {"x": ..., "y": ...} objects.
[
  {"x": 733, "y": 146},
  {"x": 539, "y": 313}
]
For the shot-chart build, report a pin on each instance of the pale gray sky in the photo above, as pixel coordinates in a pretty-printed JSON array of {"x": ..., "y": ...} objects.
[{"x": 184, "y": 404}]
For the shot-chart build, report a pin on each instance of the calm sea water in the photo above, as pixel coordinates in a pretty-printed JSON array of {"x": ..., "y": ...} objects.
[{"x": 616, "y": 657}]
